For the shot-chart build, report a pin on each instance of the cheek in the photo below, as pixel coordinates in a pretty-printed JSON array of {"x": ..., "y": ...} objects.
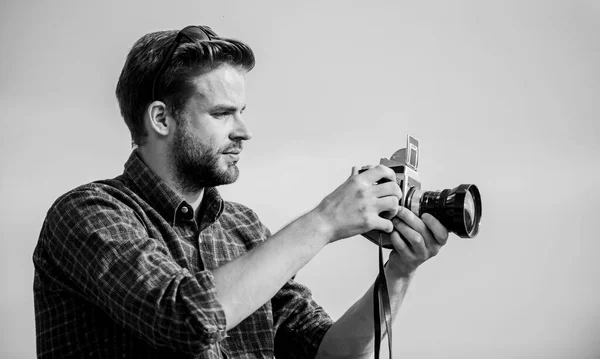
[
  {"x": 210, "y": 134},
  {"x": 217, "y": 138},
  {"x": 214, "y": 142},
  {"x": 209, "y": 143}
]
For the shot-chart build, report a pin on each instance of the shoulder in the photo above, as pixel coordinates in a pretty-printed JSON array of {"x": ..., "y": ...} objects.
[
  {"x": 91, "y": 204},
  {"x": 93, "y": 193}
]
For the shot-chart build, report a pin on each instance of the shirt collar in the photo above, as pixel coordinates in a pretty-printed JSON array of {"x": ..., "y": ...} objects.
[
  {"x": 165, "y": 199},
  {"x": 211, "y": 208}
]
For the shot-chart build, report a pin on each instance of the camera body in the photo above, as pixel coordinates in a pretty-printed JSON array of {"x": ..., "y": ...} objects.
[
  {"x": 458, "y": 209},
  {"x": 405, "y": 162}
]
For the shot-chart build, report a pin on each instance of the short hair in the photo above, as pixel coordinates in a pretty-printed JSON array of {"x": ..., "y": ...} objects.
[{"x": 190, "y": 59}]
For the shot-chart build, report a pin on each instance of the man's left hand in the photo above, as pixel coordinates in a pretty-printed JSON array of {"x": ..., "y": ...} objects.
[{"x": 415, "y": 240}]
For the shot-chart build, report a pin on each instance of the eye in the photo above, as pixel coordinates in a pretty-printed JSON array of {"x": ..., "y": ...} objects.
[{"x": 220, "y": 114}]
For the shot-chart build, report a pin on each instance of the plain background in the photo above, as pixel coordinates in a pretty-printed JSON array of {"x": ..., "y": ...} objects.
[{"x": 503, "y": 94}]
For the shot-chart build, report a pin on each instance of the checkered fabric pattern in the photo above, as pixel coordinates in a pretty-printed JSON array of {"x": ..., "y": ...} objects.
[{"x": 122, "y": 270}]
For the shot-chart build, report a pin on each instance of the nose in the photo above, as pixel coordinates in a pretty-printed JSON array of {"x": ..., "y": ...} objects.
[{"x": 240, "y": 130}]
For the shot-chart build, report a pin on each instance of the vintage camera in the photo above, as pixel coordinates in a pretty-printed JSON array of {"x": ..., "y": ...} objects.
[{"x": 458, "y": 209}]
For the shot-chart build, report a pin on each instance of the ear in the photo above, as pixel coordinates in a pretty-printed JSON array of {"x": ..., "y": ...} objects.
[{"x": 158, "y": 120}]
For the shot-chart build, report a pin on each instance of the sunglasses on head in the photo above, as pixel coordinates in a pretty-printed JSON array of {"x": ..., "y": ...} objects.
[{"x": 192, "y": 33}]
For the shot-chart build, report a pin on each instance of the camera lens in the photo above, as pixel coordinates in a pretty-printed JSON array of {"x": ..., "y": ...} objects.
[
  {"x": 469, "y": 211},
  {"x": 458, "y": 209}
]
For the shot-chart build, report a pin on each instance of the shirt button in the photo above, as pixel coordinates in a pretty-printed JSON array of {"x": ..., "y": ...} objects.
[{"x": 184, "y": 209}]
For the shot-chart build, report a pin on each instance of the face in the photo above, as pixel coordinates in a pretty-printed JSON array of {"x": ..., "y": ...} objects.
[{"x": 207, "y": 142}]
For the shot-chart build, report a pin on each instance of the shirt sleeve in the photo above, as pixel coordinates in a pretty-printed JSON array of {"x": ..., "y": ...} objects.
[
  {"x": 299, "y": 321},
  {"x": 104, "y": 252}
]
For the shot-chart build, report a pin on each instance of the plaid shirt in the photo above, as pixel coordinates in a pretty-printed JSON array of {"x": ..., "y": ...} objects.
[{"x": 122, "y": 270}]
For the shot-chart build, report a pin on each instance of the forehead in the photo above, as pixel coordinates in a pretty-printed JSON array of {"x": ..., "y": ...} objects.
[{"x": 224, "y": 85}]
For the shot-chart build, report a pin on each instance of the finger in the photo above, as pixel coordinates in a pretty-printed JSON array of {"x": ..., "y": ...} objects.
[
  {"x": 387, "y": 189},
  {"x": 440, "y": 233},
  {"x": 411, "y": 219},
  {"x": 365, "y": 168},
  {"x": 404, "y": 251},
  {"x": 354, "y": 171},
  {"x": 379, "y": 172},
  {"x": 413, "y": 238},
  {"x": 387, "y": 204},
  {"x": 414, "y": 222},
  {"x": 381, "y": 224}
]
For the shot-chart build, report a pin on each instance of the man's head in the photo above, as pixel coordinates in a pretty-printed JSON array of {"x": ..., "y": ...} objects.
[
  {"x": 195, "y": 112},
  {"x": 175, "y": 85}
]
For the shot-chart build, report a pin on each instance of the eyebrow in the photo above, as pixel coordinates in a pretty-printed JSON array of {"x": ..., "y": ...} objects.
[{"x": 225, "y": 108}]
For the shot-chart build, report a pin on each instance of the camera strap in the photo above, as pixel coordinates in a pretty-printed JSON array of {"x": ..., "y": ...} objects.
[{"x": 381, "y": 299}]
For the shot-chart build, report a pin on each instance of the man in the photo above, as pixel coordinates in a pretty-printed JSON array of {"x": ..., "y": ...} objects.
[{"x": 154, "y": 263}]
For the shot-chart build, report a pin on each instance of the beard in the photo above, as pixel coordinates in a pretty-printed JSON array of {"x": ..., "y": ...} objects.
[{"x": 195, "y": 164}]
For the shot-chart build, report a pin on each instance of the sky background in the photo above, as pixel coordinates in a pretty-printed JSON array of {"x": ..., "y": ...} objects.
[{"x": 503, "y": 94}]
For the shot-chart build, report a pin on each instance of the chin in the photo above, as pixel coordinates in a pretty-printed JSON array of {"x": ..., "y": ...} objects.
[
  {"x": 233, "y": 175},
  {"x": 229, "y": 174}
]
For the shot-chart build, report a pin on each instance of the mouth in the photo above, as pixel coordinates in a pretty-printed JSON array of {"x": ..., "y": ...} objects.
[
  {"x": 234, "y": 155},
  {"x": 233, "y": 150}
]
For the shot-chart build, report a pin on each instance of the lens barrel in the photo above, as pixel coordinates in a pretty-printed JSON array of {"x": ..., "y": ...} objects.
[{"x": 458, "y": 209}]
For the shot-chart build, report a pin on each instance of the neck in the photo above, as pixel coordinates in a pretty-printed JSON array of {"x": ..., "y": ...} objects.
[
  {"x": 158, "y": 162},
  {"x": 194, "y": 199}
]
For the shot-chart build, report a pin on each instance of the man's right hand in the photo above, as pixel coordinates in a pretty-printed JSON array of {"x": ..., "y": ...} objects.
[{"x": 355, "y": 206}]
